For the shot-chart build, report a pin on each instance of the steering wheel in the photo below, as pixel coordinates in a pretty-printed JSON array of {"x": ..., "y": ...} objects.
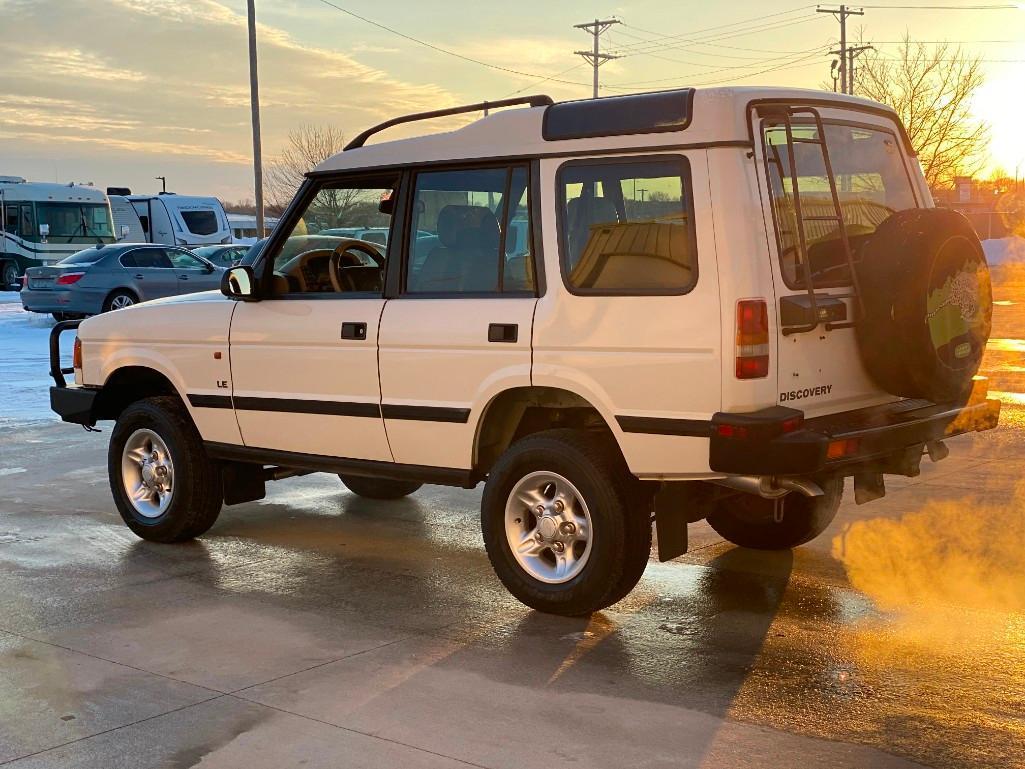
[{"x": 339, "y": 279}]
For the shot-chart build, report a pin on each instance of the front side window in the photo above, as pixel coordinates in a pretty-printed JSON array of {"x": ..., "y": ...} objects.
[
  {"x": 76, "y": 222},
  {"x": 318, "y": 256},
  {"x": 627, "y": 227},
  {"x": 183, "y": 260},
  {"x": 201, "y": 222},
  {"x": 872, "y": 184},
  {"x": 470, "y": 233}
]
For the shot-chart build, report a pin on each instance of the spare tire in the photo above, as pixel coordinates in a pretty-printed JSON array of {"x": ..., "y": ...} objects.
[{"x": 928, "y": 305}]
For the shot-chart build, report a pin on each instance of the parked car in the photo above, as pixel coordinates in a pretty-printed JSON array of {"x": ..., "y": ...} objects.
[
  {"x": 718, "y": 304},
  {"x": 113, "y": 277},
  {"x": 222, "y": 256}
]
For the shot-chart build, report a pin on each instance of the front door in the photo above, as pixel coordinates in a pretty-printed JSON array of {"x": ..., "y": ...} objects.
[
  {"x": 459, "y": 331},
  {"x": 193, "y": 274},
  {"x": 304, "y": 359}
]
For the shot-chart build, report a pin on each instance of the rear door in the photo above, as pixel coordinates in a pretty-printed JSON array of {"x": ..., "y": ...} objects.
[
  {"x": 459, "y": 330},
  {"x": 150, "y": 272},
  {"x": 819, "y": 371}
]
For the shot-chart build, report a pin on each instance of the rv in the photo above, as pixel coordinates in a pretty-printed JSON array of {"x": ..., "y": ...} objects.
[
  {"x": 43, "y": 222},
  {"x": 181, "y": 220}
]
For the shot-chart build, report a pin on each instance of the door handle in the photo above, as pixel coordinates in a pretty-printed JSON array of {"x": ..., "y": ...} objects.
[
  {"x": 140, "y": 277},
  {"x": 183, "y": 277},
  {"x": 503, "y": 332},
  {"x": 354, "y": 331}
]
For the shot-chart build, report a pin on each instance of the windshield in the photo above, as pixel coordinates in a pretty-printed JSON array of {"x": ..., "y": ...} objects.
[
  {"x": 76, "y": 222},
  {"x": 85, "y": 256}
]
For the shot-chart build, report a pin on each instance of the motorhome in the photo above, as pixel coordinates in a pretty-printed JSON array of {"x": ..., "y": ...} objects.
[
  {"x": 181, "y": 220},
  {"x": 43, "y": 222}
]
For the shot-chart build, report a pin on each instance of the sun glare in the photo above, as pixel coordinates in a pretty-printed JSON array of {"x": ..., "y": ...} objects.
[{"x": 1005, "y": 116}]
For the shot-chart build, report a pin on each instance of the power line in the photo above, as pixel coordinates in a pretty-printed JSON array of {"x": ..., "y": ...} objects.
[
  {"x": 663, "y": 37},
  {"x": 596, "y": 57},
  {"x": 684, "y": 44},
  {"x": 445, "y": 51}
]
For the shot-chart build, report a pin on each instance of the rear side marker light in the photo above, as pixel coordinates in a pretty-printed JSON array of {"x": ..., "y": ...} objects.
[
  {"x": 68, "y": 278},
  {"x": 76, "y": 358},
  {"x": 843, "y": 448},
  {"x": 752, "y": 360}
]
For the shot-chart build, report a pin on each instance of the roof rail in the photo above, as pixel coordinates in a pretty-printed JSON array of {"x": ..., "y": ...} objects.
[{"x": 534, "y": 101}]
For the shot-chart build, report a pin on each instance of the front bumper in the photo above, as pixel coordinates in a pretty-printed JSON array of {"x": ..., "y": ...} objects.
[
  {"x": 75, "y": 404},
  {"x": 887, "y": 438}
]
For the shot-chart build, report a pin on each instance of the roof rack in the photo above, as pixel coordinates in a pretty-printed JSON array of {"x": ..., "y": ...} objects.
[{"x": 539, "y": 100}]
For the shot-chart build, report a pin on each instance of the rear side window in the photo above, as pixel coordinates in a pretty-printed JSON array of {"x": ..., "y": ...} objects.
[
  {"x": 200, "y": 222},
  {"x": 627, "y": 226},
  {"x": 872, "y": 184},
  {"x": 146, "y": 258}
]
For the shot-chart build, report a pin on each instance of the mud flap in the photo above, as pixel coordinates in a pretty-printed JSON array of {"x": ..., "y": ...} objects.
[
  {"x": 868, "y": 487},
  {"x": 676, "y": 505},
  {"x": 243, "y": 483}
]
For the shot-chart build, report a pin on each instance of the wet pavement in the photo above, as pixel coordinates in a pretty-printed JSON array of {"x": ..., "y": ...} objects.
[{"x": 318, "y": 629}]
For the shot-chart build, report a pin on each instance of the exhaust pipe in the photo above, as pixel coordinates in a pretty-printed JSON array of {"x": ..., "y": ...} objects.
[{"x": 769, "y": 487}]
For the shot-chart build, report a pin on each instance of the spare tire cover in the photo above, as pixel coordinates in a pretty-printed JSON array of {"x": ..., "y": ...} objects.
[{"x": 927, "y": 305}]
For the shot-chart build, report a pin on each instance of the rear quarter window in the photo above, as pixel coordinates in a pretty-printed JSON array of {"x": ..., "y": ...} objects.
[{"x": 627, "y": 226}]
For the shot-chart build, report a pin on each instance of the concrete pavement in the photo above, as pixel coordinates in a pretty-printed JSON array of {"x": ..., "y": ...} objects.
[{"x": 315, "y": 629}]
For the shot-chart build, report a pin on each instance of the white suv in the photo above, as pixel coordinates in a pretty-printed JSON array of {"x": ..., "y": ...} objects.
[{"x": 670, "y": 306}]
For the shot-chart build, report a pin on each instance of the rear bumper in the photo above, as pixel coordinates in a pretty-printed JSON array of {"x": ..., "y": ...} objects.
[
  {"x": 880, "y": 439},
  {"x": 78, "y": 301},
  {"x": 75, "y": 404}
]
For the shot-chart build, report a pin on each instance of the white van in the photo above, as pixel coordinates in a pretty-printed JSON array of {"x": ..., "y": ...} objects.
[{"x": 181, "y": 220}]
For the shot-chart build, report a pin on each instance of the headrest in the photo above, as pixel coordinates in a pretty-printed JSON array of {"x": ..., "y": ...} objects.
[
  {"x": 592, "y": 210},
  {"x": 467, "y": 227}
]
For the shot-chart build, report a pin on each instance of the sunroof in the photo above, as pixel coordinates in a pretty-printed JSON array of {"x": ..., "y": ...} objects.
[{"x": 619, "y": 115}]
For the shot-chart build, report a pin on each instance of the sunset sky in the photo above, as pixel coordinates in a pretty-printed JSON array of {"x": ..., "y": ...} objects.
[{"x": 118, "y": 91}]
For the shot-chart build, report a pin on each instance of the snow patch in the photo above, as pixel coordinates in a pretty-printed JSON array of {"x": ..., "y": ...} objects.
[{"x": 1004, "y": 250}]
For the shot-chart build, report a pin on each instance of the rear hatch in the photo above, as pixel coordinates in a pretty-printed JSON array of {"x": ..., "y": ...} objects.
[{"x": 819, "y": 369}]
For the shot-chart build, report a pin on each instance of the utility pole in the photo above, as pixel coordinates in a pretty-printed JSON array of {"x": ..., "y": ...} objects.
[
  {"x": 163, "y": 182},
  {"x": 595, "y": 57},
  {"x": 852, "y": 53},
  {"x": 842, "y": 13},
  {"x": 254, "y": 96}
]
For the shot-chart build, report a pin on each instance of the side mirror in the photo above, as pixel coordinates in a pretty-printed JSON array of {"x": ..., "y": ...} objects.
[
  {"x": 44, "y": 231},
  {"x": 208, "y": 268},
  {"x": 125, "y": 230},
  {"x": 239, "y": 283}
]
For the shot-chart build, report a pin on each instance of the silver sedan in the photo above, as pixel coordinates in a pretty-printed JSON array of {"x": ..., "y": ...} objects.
[{"x": 114, "y": 276}]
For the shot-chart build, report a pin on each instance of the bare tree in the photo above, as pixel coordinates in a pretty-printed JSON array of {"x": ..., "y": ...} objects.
[
  {"x": 931, "y": 89},
  {"x": 309, "y": 145}
]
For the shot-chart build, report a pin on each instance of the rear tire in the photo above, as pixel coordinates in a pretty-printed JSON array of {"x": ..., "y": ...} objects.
[
  {"x": 747, "y": 520},
  {"x": 592, "y": 548},
  {"x": 9, "y": 276},
  {"x": 174, "y": 504},
  {"x": 120, "y": 299},
  {"x": 379, "y": 488}
]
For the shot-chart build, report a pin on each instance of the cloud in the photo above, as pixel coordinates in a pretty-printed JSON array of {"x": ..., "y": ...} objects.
[{"x": 171, "y": 78}]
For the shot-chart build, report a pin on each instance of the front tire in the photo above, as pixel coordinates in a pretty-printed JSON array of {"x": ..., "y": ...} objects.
[
  {"x": 379, "y": 488},
  {"x": 751, "y": 521},
  {"x": 558, "y": 526},
  {"x": 9, "y": 276},
  {"x": 164, "y": 485}
]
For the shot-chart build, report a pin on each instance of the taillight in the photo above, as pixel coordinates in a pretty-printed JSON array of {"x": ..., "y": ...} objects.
[
  {"x": 841, "y": 449},
  {"x": 76, "y": 356},
  {"x": 68, "y": 278},
  {"x": 752, "y": 339}
]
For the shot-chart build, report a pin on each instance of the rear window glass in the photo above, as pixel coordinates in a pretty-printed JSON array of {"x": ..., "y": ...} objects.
[
  {"x": 872, "y": 184},
  {"x": 88, "y": 256},
  {"x": 201, "y": 222},
  {"x": 627, "y": 227},
  {"x": 146, "y": 257}
]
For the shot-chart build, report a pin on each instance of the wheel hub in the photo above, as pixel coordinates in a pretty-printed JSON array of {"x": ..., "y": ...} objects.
[
  {"x": 147, "y": 473},
  {"x": 548, "y": 527}
]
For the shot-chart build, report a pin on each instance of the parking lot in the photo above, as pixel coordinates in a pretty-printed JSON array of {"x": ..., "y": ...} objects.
[{"x": 319, "y": 629}]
